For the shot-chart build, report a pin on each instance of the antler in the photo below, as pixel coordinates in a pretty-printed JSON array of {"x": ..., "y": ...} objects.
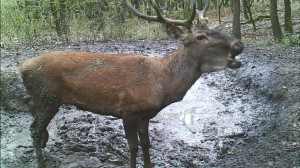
[
  {"x": 201, "y": 14},
  {"x": 160, "y": 18}
]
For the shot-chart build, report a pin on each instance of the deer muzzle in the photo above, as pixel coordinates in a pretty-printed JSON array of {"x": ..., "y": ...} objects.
[{"x": 236, "y": 48}]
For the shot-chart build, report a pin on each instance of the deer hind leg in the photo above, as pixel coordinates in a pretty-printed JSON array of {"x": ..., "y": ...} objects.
[
  {"x": 144, "y": 137},
  {"x": 130, "y": 126},
  {"x": 39, "y": 131},
  {"x": 36, "y": 133}
]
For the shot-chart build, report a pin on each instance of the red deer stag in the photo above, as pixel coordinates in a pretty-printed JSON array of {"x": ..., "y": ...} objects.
[{"x": 131, "y": 87}]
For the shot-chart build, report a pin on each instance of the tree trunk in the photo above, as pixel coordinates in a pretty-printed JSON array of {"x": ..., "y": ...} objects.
[
  {"x": 136, "y": 4},
  {"x": 248, "y": 10},
  {"x": 219, "y": 11},
  {"x": 215, "y": 2},
  {"x": 236, "y": 25},
  {"x": 288, "y": 25},
  {"x": 245, "y": 10},
  {"x": 64, "y": 19},
  {"x": 199, "y": 4},
  {"x": 60, "y": 19},
  {"x": 55, "y": 18},
  {"x": 277, "y": 33}
]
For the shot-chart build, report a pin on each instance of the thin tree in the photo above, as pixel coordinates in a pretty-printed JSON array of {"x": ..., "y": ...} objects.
[
  {"x": 277, "y": 33},
  {"x": 199, "y": 4},
  {"x": 288, "y": 25},
  {"x": 236, "y": 24},
  {"x": 63, "y": 19},
  {"x": 247, "y": 9},
  {"x": 136, "y": 4},
  {"x": 56, "y": 18},
  {"x": 59, "y": 13},
  {"x": 219, "y": 10}
]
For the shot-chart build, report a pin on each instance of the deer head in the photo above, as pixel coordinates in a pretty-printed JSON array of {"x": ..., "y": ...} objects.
[{"x": 214, "y": 50}]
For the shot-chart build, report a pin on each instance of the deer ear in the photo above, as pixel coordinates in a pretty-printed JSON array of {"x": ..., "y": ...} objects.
[{"x": 174, "y": 32}]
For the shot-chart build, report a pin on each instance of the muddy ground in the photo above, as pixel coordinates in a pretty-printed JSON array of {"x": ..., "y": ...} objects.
[{"x": 249, "y": 117}]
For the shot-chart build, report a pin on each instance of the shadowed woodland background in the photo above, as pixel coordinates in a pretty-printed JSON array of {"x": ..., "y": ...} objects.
[{"x": 37, "y": 22}]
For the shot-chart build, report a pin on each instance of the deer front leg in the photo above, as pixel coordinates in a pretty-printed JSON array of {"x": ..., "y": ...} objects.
[
  {"x": 130, "y": 126},
  {"x": 144, "y": 137}
]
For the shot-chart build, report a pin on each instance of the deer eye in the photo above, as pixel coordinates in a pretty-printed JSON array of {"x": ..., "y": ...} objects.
[{"x": 201, "y": 37}]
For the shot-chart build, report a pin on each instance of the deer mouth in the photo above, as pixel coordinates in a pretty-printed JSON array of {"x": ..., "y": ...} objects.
[
  {"x": 237, "y": 47},
  {"x": 233, "y": 63}
]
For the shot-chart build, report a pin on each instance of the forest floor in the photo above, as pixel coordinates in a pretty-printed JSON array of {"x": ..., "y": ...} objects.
[{"x": 249, "y": 117}]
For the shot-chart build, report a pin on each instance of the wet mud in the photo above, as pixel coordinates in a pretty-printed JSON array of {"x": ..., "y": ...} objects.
[{"x": 249, "y": 117}]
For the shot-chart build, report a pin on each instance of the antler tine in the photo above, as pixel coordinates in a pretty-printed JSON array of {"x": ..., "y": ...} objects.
[
  {"x": 139, "y": 14},
  {"x": 190, "y": 21},
  {"x": 187, "y": 24},
  {"x": 160, "y": 18},
  {"x": 201, "y": 14}
]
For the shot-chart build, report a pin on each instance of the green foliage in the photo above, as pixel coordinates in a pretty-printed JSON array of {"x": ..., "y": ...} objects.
[
  {"x": 290, "y": 39},
  {"x": 23, "y": 24},
  {"x": 36, "y": 22}
]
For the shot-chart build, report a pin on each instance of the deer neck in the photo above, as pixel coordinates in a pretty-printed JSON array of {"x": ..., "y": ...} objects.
[{"x": 180, "y": 72}]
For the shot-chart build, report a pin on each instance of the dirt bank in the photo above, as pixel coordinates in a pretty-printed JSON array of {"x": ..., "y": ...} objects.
[{"x": 248, "y": 117}]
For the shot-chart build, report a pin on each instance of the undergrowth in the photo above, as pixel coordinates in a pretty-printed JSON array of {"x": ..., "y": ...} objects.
[
  {"x": 20, "y": 26},
  {"x": 35, "y": 25}
]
